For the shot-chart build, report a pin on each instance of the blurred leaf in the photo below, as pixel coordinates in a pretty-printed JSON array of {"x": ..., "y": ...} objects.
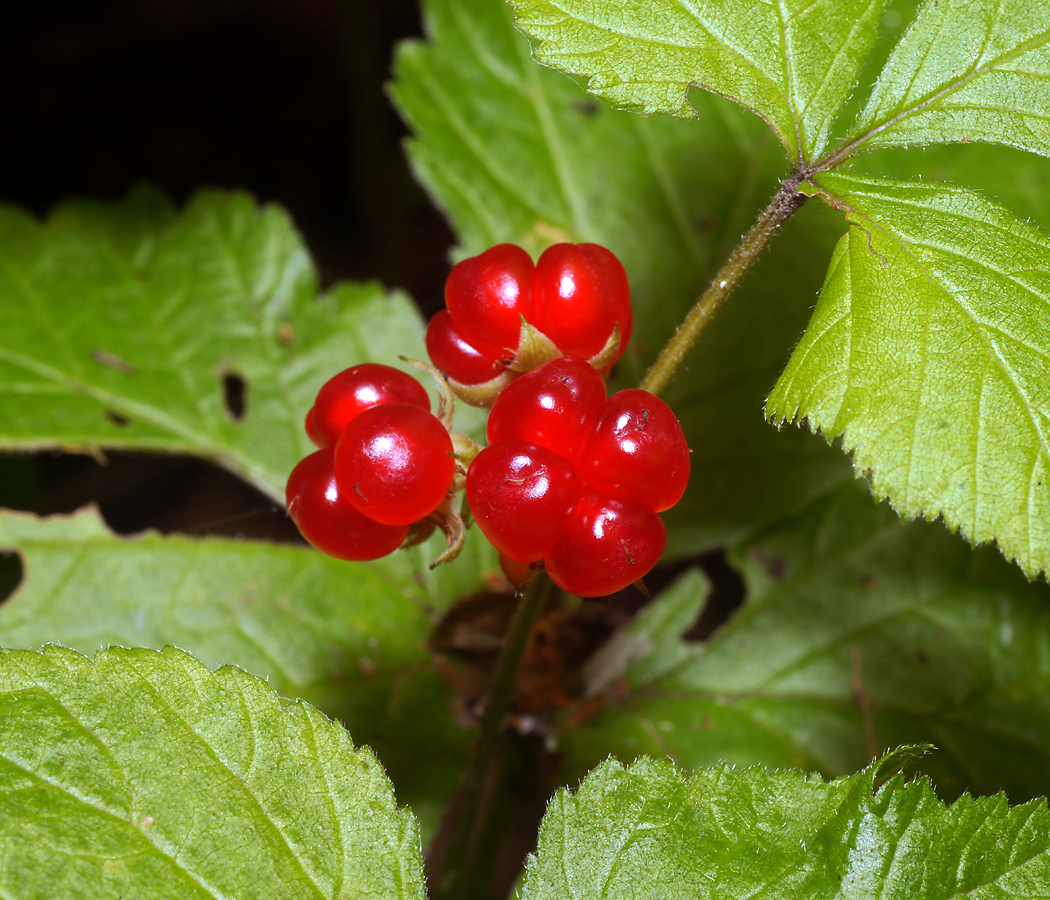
[
  {"x": 121, "y": 323},
  {"x": 858, "y": 634},
  {"x": 794, "y": 63},
  {"x": 967, "y": 70},
  {"x": 349, "y": 637},
  {"x": 517, "y": 153},
  {"x": 650, "y": 831},
  {"x": 143, "y": 774},
  {"x": 929, "y": 352}
]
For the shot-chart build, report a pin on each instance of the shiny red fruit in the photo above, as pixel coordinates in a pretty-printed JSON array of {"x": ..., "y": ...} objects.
[
  {"x": 487, "y": 295},
  {"x": 394, "y": 463},
  {"x": 454, "y": 356},
  {"x": 637, "y": 449},
  {"x": 580, "y": 295},
  {"x": 354, "y": 390},
  {"x": 327, "y": 521},
  {"x": 520, "y": 495},
  {"x": 607, "y": 544},
  {"x": 554, "y": 405}
]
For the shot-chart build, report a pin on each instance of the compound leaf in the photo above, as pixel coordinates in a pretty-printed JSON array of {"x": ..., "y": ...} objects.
[
  {"x": 348, "y": 637},
  {"x": 144, "y": 774},
  {"x": 128, "y": 326},
  {"x": 514, "y": 152},
  {"x": 858, "y": 634},
  {"x": 966, "y": 70},
  {"x": 793, "y": 62},
  {"x": 929, "y": 353},
  {"x": 650, "y": 831}
]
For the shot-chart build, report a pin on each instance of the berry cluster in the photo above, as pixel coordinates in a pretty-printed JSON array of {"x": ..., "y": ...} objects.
[
  {"x": 385, "y": 463},
  {"x": 572, "y": 480},
  {"x": 505, "y": 316},
  {"x": 576, "y": 479}
]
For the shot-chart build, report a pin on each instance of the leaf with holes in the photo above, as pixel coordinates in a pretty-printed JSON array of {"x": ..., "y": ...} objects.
[
  {"x": 348, "y": 637},
  {"x": 131, "y": 326},
  {"x": 966, "y": 70},
  {"x": 516, "y": 153},
  {"x": 650, "y": 831},
  {"x": 144, "y": 774},
  {"x": 859, "y": 634},
  {"x": 794, "y": 62},
  {"x": 929, "y": 353}
]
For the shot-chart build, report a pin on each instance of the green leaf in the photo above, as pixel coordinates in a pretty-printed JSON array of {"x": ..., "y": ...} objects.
[
  {"x": 144, "y": 774},
  {"x": 514, "y": 152},
  {"x": 794, "y": 62},
  {"x": 1013, "y": 178},
  {"x": 929, "y": 352},
  {"x": 967, "y": 70},
  {"x": 858, "y": 634},
  {"x": 348, "y": 637},
  {"x": 120, "y": 323},
  {"x": 650, "y": 831}
]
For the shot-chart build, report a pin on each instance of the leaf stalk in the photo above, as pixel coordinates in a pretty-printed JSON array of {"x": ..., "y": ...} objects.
[
  {"x": 461, "y": 869},
  {"x": 781, "y": 208}
]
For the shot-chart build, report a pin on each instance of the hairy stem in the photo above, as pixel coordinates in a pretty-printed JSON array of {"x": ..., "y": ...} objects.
[
  {"x": 462, "y": 869},
  {"x": 783, "y": 205}
]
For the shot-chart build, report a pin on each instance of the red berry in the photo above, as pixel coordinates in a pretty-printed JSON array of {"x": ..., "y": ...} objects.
[
  {"x": 637, "y": 449},
  {"x": 608, "y": 543},
  {"x": 520, "y": 495},
  {"x": 518, "y": 573},
  {"x": 394, "y": 463},
  {"x": 311, "y": 430},
  {"x": 579, "y": 295},
  {"x": 487, "y": 295},
  {"x": 454, "y": 356},
  {"x": 327, "y": 521},
  {"x": 354, "y": 390},
  {"x": 554, "y": 405}
]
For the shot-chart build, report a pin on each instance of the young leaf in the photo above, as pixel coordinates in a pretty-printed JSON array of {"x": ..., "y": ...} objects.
[
  {"x": 144, "y": 774},
  {"x": 348, "y": 637},
  {"x": 929, "y": 352},
  {"x": 122, "y": 325},
  {"x": 514, "y": 152},
  {"x": 858, "y": 634},
  {"x": 965, "y": 71},
  {"x": 794, "y": 62},
  {"x": 650, "y": 831}
]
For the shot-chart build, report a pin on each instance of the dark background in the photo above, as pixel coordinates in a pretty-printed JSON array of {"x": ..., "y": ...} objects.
[{"x": 284, "y": 98}]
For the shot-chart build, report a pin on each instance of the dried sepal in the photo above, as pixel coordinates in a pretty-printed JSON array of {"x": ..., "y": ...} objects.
[
  {"x": 534, "y": 349},
  {"x": 447, "y": 518},
  {"x": 446, "y": 398},
  {"x": 604, "y": 359},
  {"x": 484, "y": 394}
]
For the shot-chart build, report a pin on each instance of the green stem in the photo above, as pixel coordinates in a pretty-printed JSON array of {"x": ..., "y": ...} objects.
[
  {"x": 783, "y": 205},
  {"x": 462, "y": 868}
]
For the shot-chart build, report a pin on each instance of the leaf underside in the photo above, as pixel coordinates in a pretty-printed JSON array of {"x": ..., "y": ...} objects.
[
  {"x": 144, "y": 774},
  {"x": 650, "y": 831},
  {"x": 929, "y": 353}
]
